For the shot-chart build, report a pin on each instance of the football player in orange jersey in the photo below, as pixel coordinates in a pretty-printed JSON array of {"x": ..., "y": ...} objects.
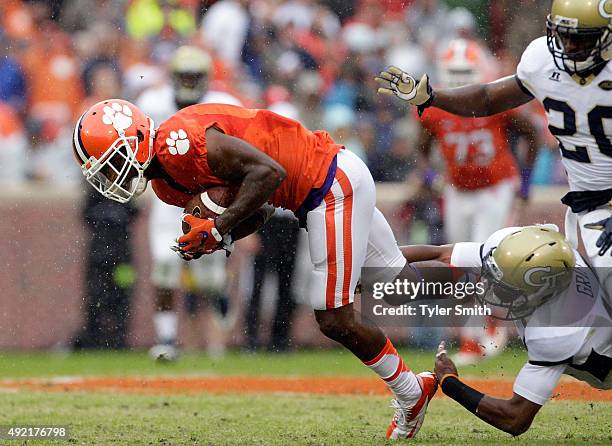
[
  {"x": 481, "y": 173},
  {"x": 273, "y": 160}
]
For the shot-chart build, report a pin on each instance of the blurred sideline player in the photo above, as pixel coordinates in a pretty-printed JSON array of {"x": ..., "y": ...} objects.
[
  {"x": 562, "y": 313},
  {"x": 189, "y": 71},
  {"x": 482, "y": 174},
  {"x": 568, "y": 71},
  {"x": 205, "y": 290}
]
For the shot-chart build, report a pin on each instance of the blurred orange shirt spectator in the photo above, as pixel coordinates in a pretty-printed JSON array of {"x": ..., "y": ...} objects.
[
  {"x": 53, "y": 73},
  {"x": 9, "y": 121},
  {"x": 16, "y": 19}
]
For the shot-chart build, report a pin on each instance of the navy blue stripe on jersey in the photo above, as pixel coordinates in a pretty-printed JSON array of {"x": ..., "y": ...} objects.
[
  {"x": 586, "y": 200},
  {"x": 599, "y": 366},
  {"x": 551, "y": 363}
]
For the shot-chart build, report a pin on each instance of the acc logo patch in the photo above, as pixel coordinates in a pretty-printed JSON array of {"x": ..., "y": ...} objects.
[
  {"x": 605, "y": 9},
  {"x": 605, "y": 85}
]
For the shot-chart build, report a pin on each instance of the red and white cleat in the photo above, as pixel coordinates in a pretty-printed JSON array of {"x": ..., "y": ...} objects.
[{"x": 408, "y": 420}]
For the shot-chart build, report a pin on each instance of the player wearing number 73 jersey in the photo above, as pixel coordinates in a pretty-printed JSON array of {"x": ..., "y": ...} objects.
[
  {"x": 568, "y": 71},
  {"x": 481, "y": 170}
]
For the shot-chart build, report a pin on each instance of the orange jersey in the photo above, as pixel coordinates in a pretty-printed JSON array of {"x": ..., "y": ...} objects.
[
  {"x": 180, "y": 146},
  {"x": 476, "y": 150}
]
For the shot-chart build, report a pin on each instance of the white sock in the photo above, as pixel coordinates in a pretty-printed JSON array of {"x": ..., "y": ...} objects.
[
  {"x": 399, "y": 378},
  {"x": 166, "y": 326}
]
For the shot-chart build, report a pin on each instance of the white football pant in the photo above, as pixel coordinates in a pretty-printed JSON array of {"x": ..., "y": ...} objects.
[{"x": 472, "y": 216}]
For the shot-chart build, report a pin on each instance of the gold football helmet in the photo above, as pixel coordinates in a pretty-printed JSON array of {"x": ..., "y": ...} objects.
[
  {"x": 190, "y": 67},
  {"x": 526, "y": 269},
  {"x": 579, "y": 35}
]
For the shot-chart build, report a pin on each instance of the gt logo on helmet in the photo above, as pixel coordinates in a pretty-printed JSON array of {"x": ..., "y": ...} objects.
[
  {"x": 605, "y": 9},
  {"x": 543, "y": 281}
]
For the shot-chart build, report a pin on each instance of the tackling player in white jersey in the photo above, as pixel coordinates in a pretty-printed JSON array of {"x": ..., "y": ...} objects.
[
  {"x": 559, "y": 308},
  {"x": 189, "y": 70},
  {"x": 481, "y": 173},
  {"x": 568, "y": 72}
]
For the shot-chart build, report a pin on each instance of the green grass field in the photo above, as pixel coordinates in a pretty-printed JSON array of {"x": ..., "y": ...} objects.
[
  {"x": 335, "y": 362},
  {"x": 101, "y": 418}
]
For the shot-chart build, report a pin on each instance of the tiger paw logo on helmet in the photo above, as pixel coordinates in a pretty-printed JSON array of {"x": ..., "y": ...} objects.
[
  {"x": 120, "y": 117},
  {"x": 178, "y": 144}
]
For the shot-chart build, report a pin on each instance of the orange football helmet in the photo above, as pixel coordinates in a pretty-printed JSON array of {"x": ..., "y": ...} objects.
[
  {"x": 113, "y": 143},
  {"x": 463, "y": 62}
]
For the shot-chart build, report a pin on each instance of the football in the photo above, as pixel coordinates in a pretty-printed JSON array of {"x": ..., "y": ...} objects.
[{"x": 210, "y": 203}]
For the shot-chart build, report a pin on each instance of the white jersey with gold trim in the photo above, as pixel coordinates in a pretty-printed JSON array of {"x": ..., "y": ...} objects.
[
  {"x": 581, "y": 347},
  {"x": 159, "y": 104},
  {"x": 579, "y": 116}
]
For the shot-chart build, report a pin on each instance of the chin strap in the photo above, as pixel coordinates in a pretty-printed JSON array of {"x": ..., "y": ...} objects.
[
  {"x": 590, "y": 75},
  {"x": 583, "y": 81},
  {"x": 151, "y": 142},
  {"x": 141, "y": 187}
]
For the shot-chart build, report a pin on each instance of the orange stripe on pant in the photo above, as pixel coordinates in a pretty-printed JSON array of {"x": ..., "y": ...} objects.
[
  {"x": 347, "y": 242},
  {"x": 330, "y": 229},
  {"x": 388, "y": 349},
  {"x": 401, "y": 367}
]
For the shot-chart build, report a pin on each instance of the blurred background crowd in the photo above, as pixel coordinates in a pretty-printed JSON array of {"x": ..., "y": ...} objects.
[{"x": 311, "y": 60}]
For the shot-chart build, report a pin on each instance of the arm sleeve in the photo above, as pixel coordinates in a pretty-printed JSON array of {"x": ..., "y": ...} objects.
[
  {"x": 537, "y": 383},
  {"x": 467, "y": 255}
]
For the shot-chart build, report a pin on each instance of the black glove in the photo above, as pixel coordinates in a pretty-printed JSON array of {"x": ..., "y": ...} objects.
[{"x": 605, "y": 239}]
